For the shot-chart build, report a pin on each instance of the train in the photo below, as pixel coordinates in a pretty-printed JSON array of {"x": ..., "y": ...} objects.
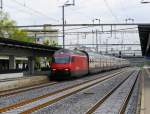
[{"x": 76, "y": 63}]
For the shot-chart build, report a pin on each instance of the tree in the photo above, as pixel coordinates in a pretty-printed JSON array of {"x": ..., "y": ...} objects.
[
  {"x": 46, "y": 42},
  {"x": 50, "y": 42},
  {"x": 20, "y": 35},
  {"x": 12, "y": 32},
  {"x": 5, "y": 21}
]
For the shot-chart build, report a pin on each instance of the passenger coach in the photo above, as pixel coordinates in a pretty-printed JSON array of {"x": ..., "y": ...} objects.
[{"x": 75, "y": 63}]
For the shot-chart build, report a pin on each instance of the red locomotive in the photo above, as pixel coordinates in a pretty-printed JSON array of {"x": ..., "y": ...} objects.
[
  {"x": 74, "y": 63},
  {"x": 68, "y": 63}
]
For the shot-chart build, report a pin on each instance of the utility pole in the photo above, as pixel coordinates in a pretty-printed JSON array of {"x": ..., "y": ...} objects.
[
  {"x": 63, "y": 19},
  {"x": 96, "y": 41},
  {"x": 106, "y": 46},
  {"x": 1, "y": 5},
  {"x": 93, "y": 34},
  {"x": 93, "y": 37},
  {"x": 96, "y": 31},
  {"x": 97, "y": 36},
  {"x": 129, "y": 20},
  {"x": 77, "y": 38},
  {"x": 144, "y": 2}
]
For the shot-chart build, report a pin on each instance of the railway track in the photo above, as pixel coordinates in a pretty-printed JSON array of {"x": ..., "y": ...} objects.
[
  {"x": 19, "y": 90},
  {"x": 72, "y": 105},
  {"x": 117, "y": 99},
  {"x": 30, "y": 105},
  {"x": 20, "y": 97}
]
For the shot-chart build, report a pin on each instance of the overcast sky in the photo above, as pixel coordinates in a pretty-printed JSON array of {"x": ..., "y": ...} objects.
[
  {"x": 28, "y": 12},
  {"x": 31, "y": 12}
]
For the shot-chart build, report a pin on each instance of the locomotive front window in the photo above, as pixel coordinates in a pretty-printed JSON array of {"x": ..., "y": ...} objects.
[{"x": 61, "y": 59}]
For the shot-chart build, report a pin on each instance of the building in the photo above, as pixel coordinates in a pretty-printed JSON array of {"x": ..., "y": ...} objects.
[{"x": 47, "y": 34}]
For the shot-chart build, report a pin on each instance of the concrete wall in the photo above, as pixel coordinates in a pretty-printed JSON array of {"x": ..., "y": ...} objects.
[
  {"x": 10, "y": 75},
  {"x": 23, "y": 82}
]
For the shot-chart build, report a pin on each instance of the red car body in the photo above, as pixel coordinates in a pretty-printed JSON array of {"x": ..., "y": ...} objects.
[
  {"x": 74, "y": 63},
  {"x": 68, "y": 63}
]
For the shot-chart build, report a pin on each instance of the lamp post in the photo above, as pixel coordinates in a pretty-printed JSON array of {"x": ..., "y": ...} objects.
[
  {"x": 144, "y": 2},
  {"x": 96, "y": 34},
  {"x": 106, "y": 46},
  {"x": 1, "y": 7},
  {"x": 63, "y": 29},
  {"x": 97, "y": 37},
  {"x": 129, "y": 19},
  {"x": 98, "y": 20},
  {"x": 63, "y": 19}
]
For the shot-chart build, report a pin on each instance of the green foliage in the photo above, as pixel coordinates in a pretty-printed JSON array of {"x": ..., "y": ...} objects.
[
  {"x": 49, "y": 59},
  {"x": 46, "y": 42},
  {"x": 13, "y": 32},
  {"x": 50, "y": 42},
  {"x": 21, "y": 36},
  {"x": 5, "y": 21}
]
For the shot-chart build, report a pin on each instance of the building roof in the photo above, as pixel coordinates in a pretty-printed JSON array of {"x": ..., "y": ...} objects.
[
  {"x": 40, "y": 30},
  {"x": 144, "y": 31},
  {"x": 30, "y": 47}
]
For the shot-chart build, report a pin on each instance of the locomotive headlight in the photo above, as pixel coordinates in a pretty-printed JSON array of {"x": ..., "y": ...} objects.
[
  {"x": 54, "y": 69},
  {"x": 66, "y": 69}
]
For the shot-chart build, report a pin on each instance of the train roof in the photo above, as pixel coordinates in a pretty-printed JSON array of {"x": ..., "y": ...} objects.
[
  {"x": 84, "y": 53},
  {"x": 67, "y": 52}
]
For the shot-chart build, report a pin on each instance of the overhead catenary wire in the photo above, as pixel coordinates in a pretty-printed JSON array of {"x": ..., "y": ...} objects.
[
  {"x": 78, "y": 28},
  {"x": 129, "y": 29},
  {"x": 123, "y": 8},
  {"x": 110, "y": 10},
  {"x": 115, "y": 30},
  {"x": 35, "y": 11},
  {"x": 82, "y": 25},
  {"x": 17, "y": 9}
]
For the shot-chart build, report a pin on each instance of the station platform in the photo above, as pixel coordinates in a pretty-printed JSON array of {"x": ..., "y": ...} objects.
[
  {"x": 145, "y": 97},
  {"x": 21, "y": 82}
]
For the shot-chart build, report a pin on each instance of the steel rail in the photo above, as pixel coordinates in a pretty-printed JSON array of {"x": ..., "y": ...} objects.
[
  {"x": 24, "y": 102},
  {"x": 67, "y": 93},
  {"x": 99, "y": 103},
  {"x": 37, "y": 86},
  {"x": 125, "y": 102},
  {"x": 24, "y": 89}
]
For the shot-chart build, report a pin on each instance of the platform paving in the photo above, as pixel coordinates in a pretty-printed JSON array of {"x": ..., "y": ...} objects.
[
  {"x": 145, "y": 99},
  {"x": 20, "y": 82}
]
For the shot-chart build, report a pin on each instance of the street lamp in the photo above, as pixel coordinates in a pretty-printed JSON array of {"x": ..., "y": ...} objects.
[
  {"x": 98, "y": 20},
  {"x": 1, "y": 7},
  {"x": 144, "y": 2},
  {"x": 106, "y": 46},
  {"x": 129, "y": 19},
  {"x": 63, "y": 19},
  {"x": 96, "y": 34}
]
